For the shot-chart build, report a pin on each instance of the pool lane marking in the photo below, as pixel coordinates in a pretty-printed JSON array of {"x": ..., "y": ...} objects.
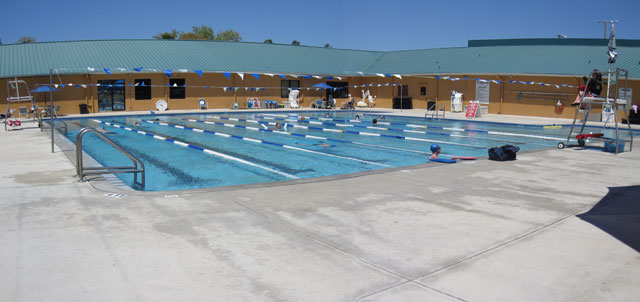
[
  {"x": 402, "y": 130},
  {"x": 377, "y": 135},
  {"x": 543, "y": 137},
  {"x": 313, "y": 137},
  {"x": 205, "y": 150},
  {"x": 274, "y": 144}
]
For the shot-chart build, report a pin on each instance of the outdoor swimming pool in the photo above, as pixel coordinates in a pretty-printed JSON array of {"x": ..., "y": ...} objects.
[{"x": 189, "y": 151}]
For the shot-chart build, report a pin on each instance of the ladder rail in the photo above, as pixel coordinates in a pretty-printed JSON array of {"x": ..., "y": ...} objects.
[{"x": 81, "y": 171}]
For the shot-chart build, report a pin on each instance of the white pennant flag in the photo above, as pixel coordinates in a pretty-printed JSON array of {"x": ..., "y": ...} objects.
[
  {"x": 83, "y": 86},
  {"x": 224, "y": 89},
  {"x": 398, "y": 76},
  {"x": 182, "y": 70},
  {"x": 246, "y": 88},
  {"x": 293, "y": 76},
  {"x": 175, "y": 84},
  {"x": 380, "y": 75},
  {"x": 269, "y": 74},
  {"x": 360, "y": 72},
  {"x": 339, "y": 78},
  {"x": 318, "y": 77},
  {"x": 241, "y": 75},
  {"x": 91, "y": 69},
  {"x": 55, "y": 85}
]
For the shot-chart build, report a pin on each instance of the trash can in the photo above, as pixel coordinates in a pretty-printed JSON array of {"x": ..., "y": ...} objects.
[{"x": 84, "y": 108}]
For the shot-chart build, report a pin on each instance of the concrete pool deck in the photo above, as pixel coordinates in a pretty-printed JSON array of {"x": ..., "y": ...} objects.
[{"x": 554, "y": 225}]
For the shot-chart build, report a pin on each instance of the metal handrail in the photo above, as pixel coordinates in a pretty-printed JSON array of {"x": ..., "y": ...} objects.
[
  {"x": 435, "y": 111},
  {"x": 64, "y": 125},
  {"x": 81, "y": 171}
]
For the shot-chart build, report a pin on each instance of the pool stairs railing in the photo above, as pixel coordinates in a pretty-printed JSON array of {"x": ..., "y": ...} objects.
[
  {"x": 435, "y": 110},
  {"x": 81, "y": 171}
]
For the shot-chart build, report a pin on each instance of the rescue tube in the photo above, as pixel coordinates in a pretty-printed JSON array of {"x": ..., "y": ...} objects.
[
  {"x": 442, "y": 160},
  {"x": 464, "y": 157}
]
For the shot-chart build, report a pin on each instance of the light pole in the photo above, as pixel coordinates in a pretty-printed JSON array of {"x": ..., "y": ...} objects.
[{"x": 606, "y": 23}]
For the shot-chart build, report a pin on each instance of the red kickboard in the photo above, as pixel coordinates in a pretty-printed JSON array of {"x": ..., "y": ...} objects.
[
  {"x": 583, "y": 136},
  {"x": 464, "y": 157}
]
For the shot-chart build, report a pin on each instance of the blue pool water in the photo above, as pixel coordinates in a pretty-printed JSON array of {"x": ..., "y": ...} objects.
[{"x": 223, "y": 149}]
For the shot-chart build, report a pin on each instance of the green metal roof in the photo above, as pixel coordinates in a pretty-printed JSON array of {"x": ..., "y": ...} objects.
[
  {"x": 74, "y": 57},
  {"x": 540, "y": 60}
]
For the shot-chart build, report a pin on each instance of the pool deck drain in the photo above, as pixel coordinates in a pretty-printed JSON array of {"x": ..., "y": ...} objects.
[{"x": 525, "y": 230}]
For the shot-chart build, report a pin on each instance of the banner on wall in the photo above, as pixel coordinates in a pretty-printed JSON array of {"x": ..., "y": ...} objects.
[{"x": 482, "y": 92}]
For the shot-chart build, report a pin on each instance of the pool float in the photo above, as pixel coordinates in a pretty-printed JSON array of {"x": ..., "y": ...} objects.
[{"x": 442, "y": 160}]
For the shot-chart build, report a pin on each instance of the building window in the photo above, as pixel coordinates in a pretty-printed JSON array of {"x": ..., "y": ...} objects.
[
  {"x": 343, "y": 92},
  {"x": 111, "y": 95},
  {"x": 403, "y": 90},
  {"x": 423, "y": 90},
  {"x": 288, "y": 85},
  {"x": 143, "y": 89},
  {"x": 177, "y": 90}
]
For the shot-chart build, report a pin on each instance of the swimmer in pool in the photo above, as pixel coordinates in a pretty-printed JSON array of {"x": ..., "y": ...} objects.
[
  {"x": 137, "y": 123},
  {"x": 278, "y": 126},
  {"x": 435, "y": 149},
  {"x": 321, "y": 144},
  {"x": 375, "y": 121}
]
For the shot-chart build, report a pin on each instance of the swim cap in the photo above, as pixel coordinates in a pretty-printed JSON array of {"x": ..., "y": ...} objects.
[{"x": 435, "y": 148}]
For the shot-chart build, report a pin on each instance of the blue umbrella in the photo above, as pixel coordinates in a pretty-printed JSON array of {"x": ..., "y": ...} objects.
[
  {"x": 322, "y": 85},
  {"x": 43, "y": 89}
]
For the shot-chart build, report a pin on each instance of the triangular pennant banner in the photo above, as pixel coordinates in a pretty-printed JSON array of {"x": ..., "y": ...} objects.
[
  {"x": 138, "y": 69},
  {"x": 282, "y": 76},
  {"x": 198, "y": 71},
  {"x": 241, "y": 75},
  {"x": 227, "y": 74},
  {"x": 255, "y": 75},
  {"x": 167, "y": 72},
  {"x": 108, "y": 71}
]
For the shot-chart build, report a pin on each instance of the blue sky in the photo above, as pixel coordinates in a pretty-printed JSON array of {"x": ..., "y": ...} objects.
[{"x": 366, "y": 25}]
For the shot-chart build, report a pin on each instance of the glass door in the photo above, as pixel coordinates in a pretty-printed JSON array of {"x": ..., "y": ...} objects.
[{"x": 111, "y": 95}]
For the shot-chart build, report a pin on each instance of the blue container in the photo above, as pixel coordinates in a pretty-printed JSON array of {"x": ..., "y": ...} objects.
[{"x": 610, "y": 146}]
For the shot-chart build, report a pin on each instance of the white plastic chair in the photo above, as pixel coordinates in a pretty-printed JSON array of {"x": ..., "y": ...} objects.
[{"x": 293, "y": 98}]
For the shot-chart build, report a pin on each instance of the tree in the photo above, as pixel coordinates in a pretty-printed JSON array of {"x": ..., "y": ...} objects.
[
  {"x": 268, "y": 41},
  {"x": 26, "y": 39},
  {"x": 172, "y": 35},
  {"x": 203, "y": 32},
  {"x": 295, "y": 42},
  {"x": 228, "y": 35},
  {"x": 327, "y": 45}
]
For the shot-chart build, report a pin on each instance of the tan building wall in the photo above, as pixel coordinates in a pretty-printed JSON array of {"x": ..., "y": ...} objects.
[{"x": 508, "y": 98}]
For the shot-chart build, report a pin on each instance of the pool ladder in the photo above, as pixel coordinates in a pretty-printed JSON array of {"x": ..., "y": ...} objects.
[
  {"x": 81, "y": 171},
  {"x": 435, "y": 111}
]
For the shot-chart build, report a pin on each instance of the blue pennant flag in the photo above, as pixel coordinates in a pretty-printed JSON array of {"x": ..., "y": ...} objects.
[
  {"x": 108, "y": 71},
  {"x": 437, "y": 77},
  {"x": 206, "y": 87},
  {"x": 257, "y": 76},
  {"x": 252, "y": 89},
  {"x": 138, "y": 69},
  {"x": 282, "y": 76},
  {"x": 130, "y": 84},
  {"x": 167, "y": 72},
  {"x": 329, "y": 78},
  {"x": 262, "y": 89},
  {"x": 77, "y": 86},
  {"x": 63, "y": 85},
  {"x": 388, "y": 74},
  {"x": 198, "y": 71},
  {"x": 227, "y": 74},
  {"x": 307, "y": 77},
  {"x": 168, "y": 85}
]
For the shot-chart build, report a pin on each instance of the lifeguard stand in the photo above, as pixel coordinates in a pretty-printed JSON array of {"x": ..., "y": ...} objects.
[
  {"x": 14, "y": 96},
  {"x": 614, "y": 104}
]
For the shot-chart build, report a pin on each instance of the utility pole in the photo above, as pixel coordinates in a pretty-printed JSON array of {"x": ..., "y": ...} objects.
[{"x": 606, "y": 23}]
